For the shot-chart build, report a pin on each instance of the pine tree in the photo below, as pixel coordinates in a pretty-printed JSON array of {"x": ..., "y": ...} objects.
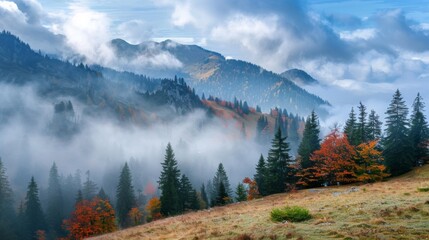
[
  {"x": 125, "y": 198},
  {"x": 240, "y": 193},
  {"x": 350, "y": 129},
  {"x": 185, "y": 193},
  {"x": 222, "y": 198},
  {"x": 220, "y": 177},
  {"x": 374, "y": 126},
  {"x": 261, "y": 175},
  {"x": 35, "y": 219},
  {"x": 397, "y": 145},
  {"x": 279, "y": 170},
  {"x": 7, "y": 216},
  {"x": 310, "y": 141},
  {"x": 169, "y": 184},
  {"x": 361, "y": 130},
  {"x": 419, "y": 132},
  {"x": 102, "y": 195},
  {"x": 89, "y": 188},
  {"x": 204, "y": 195},
  {"x": 54, "y": 211}
]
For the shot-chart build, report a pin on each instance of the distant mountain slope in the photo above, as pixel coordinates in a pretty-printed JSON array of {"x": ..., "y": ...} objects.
[
  {"x": 299, "y": 77},
  {"x": 213, "y": 74},
  {"x": 102, "y": 91}
]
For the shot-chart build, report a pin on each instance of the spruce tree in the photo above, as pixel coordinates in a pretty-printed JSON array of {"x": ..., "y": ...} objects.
[
  {"x": 169, "y": 184},
  {"x": 397, "y": 145},
  {"x": 240, "y": 193},
  {"x": 204, "y": 195},
  {"x": 279, "y": 170},
  {"x": 222, "y": 197},
  {"x": 374, "y": 126},
  {"x": 261, "y": 175},
  {"x": 185, "y": 193},
  {"x": 310, "y": 141},
  {"x": 79, "y": 197},
  {"x": 34, "y": 217},
  {"x": 350, "y": 129},
  {"x": 220, "y": 177},
  {"x": 7, "y": 214},
  {"x": 102, "y": 195},
  {"x": 54, "y": 211},
  {"x": 125, "y": 198},
  {"x": 361, "y": 130},
  {"x": 90, "y": 188},
  {"x": 419, "y": 132}
]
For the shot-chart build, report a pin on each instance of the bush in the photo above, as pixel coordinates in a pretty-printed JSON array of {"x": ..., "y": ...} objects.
[
  {"x": 423, "y": 189},
  {"x": 292, "y": 214}
]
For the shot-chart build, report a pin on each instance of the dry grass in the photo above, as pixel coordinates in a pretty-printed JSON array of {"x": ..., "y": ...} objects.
[{"x": 381, "y": 211}]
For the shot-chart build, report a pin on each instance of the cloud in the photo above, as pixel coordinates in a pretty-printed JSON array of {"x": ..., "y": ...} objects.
[{"x": 134, "y": 31}]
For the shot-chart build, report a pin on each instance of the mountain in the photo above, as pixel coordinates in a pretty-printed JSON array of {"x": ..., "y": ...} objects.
[
  {"x": 211, "y": 73},
  {"x": 299, "y": 77},
  {"x": 126, "y": 96}
]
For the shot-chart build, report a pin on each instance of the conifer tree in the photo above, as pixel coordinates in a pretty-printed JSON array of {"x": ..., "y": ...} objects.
[
  {"x": 361, "y": 130},
  {"x": 261, "y": 175},
  {"x": 374, "y": 126},
  {"x": 7, "y": 216},
  {"x": 54, "y": 211},
  {"x": 169, "y": 184},
  {"x": 185, "y": 193},
  {"x": 240, "y": 193},
  {"x": 204, "y": 196},
  {"x": 79, "y": 197},
  {"x": 310, "y": 141},
  {"x": 279, "y": 170},
  {"x": 222, "y": 198},
  {"x": 90, "y": 188},
  {"x": 35, "y": 219},
  {"x": 350, "y": 129},
  {"x": 220, "y": 177},
  {"x": 419, "y": 132},
  {"x": 125, "y": 198},
  {"x": 397, "y": 145},
  {"x": 102, "y": 195}
]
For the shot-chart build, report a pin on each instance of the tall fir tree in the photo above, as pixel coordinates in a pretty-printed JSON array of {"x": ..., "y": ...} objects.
[
  {"x": 240, "y": 193},
  {"x": 374, "y": 126},
  {"x": 279, "y": 169},
  {"x": 261, "y": 175},
  {"x": 220, "y": 177},
  {"x": 350, "y": 129},
  {"x": 90, "y": 188},
  {"x": 419, "y": 132},
  {"x": 398, "y": 151},
  {"x": 186, "y": 193},
  {"x": 222, "y": 197},
  {"x": 310, "y": 141},
  {"x": 54, "y": 210},
  {"x": 204, "y": 196},
  {"x": 361, "y": 129},
  {"x": 34, "y": 218},
  {"x": 125, "y": 197},
  {"x": 169, "y": 184},
  {"x": 7, "y": 216}
]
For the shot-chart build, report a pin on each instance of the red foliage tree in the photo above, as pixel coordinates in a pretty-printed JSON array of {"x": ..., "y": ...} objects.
[
  {"x": 91, "y": 218},
  {"x": 252, "y": 188}
]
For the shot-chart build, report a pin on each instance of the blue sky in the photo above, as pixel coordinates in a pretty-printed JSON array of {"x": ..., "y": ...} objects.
[{"x": 359, "y": 50}]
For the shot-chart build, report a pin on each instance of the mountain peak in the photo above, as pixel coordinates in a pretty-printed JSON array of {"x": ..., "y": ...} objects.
[{"x": 299, "y": 77}]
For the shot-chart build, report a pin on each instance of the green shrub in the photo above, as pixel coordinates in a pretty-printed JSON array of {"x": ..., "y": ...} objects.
[
  {"x": 423, "y": 189},
  {"x": 292, "y": 214}
]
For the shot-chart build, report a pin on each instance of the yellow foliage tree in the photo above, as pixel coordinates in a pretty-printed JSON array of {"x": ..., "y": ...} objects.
[{"x": 370, "y": 163}]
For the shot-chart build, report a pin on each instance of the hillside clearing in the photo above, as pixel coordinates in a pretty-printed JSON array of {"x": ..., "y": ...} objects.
[{"x": 394, "y": 209}]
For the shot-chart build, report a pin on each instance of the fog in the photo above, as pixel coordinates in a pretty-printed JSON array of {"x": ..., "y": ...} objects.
[{"x": 102, "y": 145}]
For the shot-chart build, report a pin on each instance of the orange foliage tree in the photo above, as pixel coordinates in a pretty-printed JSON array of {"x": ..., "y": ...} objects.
[
  {"x": 135, "y": 216},
  {"x": 91, "y": 218},
  {"x": 333, "y": 162},
  {"x": 370, "y": 163},
  {"x": 153, "y": 209},
  {"x": 252, "y": 188}
]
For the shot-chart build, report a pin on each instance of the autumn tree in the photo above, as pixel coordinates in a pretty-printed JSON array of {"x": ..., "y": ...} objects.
[
  {"x": 419, "y": 132},
  {"x": 169, "y": 184},
  {"x": 34, "y": 218},
  {"x": 240, "y": 193},
  {"x": 153, "y": 209},
  {"x": 91, "y": 218},
  {"x": 54, "y": 211},
  {"x": 279, "y": 170},
  {"x": 252, "y": 188},
  {"x": 310, "y": 141},
  {"x": 125, "y": 198},
  {"x": 398, "y": 151},
  {"x": 370, "y": 163},
  {"x": 135, "y": 216},
  {"x": 333, "y": 162}
]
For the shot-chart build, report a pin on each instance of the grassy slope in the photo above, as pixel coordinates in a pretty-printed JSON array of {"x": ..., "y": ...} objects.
[{"x": 387, "y": 210}]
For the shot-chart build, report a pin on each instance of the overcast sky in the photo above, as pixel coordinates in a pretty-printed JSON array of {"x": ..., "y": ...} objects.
[{"x": 360, "y": 50}]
